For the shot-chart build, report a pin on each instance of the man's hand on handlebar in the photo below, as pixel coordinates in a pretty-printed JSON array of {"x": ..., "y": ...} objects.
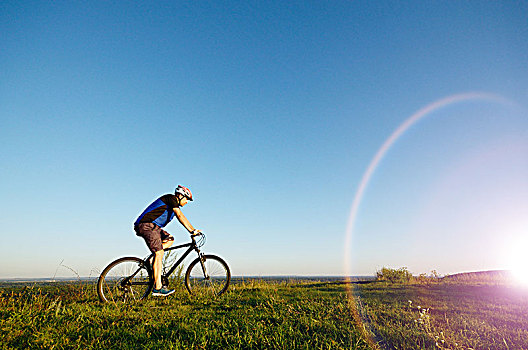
[{"x": 196, "y": 233}]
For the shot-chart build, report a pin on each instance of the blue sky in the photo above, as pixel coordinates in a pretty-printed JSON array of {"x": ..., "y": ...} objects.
[{"x": 270, "y": 112}]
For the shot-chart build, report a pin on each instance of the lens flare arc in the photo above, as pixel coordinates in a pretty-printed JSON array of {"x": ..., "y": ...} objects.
[{"x": 389, "y": 142}]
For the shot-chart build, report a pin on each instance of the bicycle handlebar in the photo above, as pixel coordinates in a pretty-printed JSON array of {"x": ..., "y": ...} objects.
[
  {"x": 197, "y": 234},
  {"x": 200, "y": 241}
]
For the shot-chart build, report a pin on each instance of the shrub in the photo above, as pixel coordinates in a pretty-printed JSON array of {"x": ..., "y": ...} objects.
[
  {"x": 401, "y": 275},
  {"x": 423, "y": 278}
]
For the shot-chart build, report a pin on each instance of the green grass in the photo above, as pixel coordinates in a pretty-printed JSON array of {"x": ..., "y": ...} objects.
[
  {"x": 259, "y": 314},
  {"x": 445, "y": 315},
  {"x": 252, "y": 315}
]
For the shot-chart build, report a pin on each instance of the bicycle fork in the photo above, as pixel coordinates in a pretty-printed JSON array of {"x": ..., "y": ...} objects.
[{"x": 202, "y": 263}]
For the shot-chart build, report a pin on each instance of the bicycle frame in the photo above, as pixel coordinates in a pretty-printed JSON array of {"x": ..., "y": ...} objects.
[
  {"x": 192, "y": 246},
  {"x": 130, "y": 277}
]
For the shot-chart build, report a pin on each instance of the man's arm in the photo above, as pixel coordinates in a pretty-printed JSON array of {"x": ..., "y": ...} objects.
[{"x": 183, "y": 220}]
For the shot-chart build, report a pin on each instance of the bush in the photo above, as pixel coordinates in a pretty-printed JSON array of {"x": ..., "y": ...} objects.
[
  {"x": 401, "y": 275},
  {"x": 423, "y": 278}
]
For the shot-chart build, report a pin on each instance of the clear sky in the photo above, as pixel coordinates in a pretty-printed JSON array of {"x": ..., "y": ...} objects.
[{"x": 271, "y": 113}]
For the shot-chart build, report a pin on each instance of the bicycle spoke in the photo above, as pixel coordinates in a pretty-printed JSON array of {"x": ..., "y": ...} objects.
[
  {"x": 213, "y": 282},
  {"x": 124, "y": 280}
]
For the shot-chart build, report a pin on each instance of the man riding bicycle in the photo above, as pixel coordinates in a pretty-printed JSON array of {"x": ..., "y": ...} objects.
[{"x": 149, "y": 226}]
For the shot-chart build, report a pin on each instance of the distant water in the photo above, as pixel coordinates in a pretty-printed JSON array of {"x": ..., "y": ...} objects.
[
  {"x": 45, "y": 279},
  {"x": 233, "y": 278}
]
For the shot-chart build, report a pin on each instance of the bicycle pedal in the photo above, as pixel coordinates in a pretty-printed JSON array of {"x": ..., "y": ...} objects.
[{"x": 164, "y": 281}]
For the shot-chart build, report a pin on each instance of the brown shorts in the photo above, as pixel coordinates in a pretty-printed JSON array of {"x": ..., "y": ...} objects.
[{"x": 153, "y": 235}]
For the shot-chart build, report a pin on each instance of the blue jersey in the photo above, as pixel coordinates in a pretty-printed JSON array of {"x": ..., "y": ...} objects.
[{"x": 160, "y": 212}]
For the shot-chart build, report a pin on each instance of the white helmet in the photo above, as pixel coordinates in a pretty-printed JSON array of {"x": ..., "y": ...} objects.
[{"x": 184, "y": 191}]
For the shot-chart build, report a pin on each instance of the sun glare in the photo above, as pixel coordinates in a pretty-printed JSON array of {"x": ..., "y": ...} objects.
[{"x": 519, "y": 261}]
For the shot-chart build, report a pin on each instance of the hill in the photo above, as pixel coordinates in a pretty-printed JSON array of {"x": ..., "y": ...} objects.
[{"x": 481, "y": 276}]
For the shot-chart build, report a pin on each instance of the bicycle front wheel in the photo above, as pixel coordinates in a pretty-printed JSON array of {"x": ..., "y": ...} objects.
[
  {"x": 124, "y": 280},
  {"x": 209, "y": 277}
]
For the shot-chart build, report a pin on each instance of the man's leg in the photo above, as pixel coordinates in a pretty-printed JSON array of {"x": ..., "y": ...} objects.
[
  {"x": 156, "y": 266},
  {"x": 167, "y": 244},
  {"x": 152, "y": 234}
]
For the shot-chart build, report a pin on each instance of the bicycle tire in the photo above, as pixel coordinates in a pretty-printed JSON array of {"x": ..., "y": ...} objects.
[
  {"x": 124, "y": 280},
  {"x": 214, "y": 284}
]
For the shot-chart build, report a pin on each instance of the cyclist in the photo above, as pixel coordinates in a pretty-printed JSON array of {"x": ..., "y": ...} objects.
[{"x": 149, "y": 226}]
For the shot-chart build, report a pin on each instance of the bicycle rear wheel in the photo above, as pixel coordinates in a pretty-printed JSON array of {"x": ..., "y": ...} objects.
[
  {"x": 209, "y": 283},
  {"x": 124, "y": 280}
]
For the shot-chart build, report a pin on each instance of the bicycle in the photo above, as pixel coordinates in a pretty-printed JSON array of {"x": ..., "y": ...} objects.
[{"x": 132, "y": 278}]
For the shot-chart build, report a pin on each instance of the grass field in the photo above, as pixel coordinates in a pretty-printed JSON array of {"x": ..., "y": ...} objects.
[
  {"x": 258, "y": 314},
  {"x": 253, "y": 315},
  {"x": 445, "y": 315}
]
